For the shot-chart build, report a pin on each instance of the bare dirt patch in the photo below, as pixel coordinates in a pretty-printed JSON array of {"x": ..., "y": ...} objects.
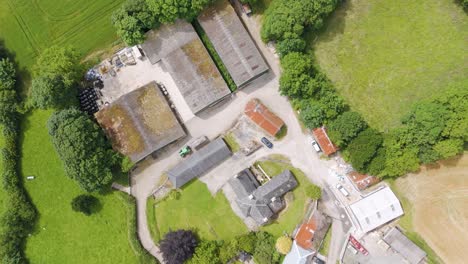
[{"x": 439, "y": 198}]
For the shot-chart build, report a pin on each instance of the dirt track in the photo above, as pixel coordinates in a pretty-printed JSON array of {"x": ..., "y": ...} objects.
[{"x": 439, "y": 195}]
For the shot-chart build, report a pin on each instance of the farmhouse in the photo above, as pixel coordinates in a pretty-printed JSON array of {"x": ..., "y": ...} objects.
[
  {"x": 199, "y": 163},
  {"x": 263, "y": 117},
  {"x": 233, "y": 43},
  {"x": 324, "y": 141},
  {"x": 140, "y": 122},
  {"x": 180, "y": 50},
  {"x": 261, "y": 202},
  {"x": 405, "y": 247},
  {"x": 376, "y": 209}
]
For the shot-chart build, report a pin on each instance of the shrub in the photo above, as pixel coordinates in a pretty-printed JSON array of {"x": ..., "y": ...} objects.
[
  {"x": 283, "y": 245},
  {"x": 313, "y": 192},
  {"x": 84, "y": 203},
  {"x": 206, "y": 252},
  {"x": 178, "y": 246}
]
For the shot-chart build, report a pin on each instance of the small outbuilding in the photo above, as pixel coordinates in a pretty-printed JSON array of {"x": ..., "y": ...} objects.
[
  {"x": 324, "y": 141},
  {"x": 199, "y": 163},
  {"x": 259, "y": 114}
]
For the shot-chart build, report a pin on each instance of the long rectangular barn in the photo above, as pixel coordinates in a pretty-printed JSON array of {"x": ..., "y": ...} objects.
[{"x": 233, "y": 43}]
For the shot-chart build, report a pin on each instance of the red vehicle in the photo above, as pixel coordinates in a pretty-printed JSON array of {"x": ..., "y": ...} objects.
[{"x": 358, "y": 245}]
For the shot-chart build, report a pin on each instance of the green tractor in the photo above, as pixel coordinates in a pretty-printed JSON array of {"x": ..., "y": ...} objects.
[{"x": 185, "y": 151}]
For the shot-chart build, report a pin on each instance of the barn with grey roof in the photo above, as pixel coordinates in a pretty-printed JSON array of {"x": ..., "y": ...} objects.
[
  {"x": 199, "y": 163},
  {"x": 261, "y": 202},
  {"x": 183, "y": 55},
  {"x": 233, "y": 43},
  {"x": 405, "y": 247}
]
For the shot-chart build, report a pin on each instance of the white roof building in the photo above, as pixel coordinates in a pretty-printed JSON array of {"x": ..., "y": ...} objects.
[{"x": 376, "y": 209}]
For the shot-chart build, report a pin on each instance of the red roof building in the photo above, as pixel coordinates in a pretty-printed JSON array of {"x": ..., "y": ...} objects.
[
  {"x": 362, "y": 181},
  {"x": 263, "y": 117},
  {"x": 311, "y": 233},
  {"x": 305, "y": 235},
  {"x": 324, "y": 141}
]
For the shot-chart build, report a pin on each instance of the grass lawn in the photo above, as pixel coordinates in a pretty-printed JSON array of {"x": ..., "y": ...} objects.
[
  {"x": 211, "y": 217},
  {"x": 326, "y": 243},
  {"x": 406, "y": 222},
  {"x": 384, "y": 56},
  {"x": 230, "y": 140},
  {"x": 293, "y": 214},
  {"x": 63, "y": 236}
]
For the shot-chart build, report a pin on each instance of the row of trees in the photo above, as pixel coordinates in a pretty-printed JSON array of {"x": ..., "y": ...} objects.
[
  {"x": 183, "y": 246},
  {"x": 81, "y": 144},
  {"x": 19, "y": 217},
  {"x": 135, "y": 17},
  {"x": 433, "y": 129}
]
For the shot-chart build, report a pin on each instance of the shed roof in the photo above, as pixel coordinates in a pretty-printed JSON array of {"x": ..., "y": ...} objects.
[
  {"x": 362, "y": 181},
  {"x": 199, "y": 162},
  {"x": 140, "y": 122},
  {"x": 376, "y": 209},
  {"x": 400, "y": 243},
  {"x": 311, "y": 233},
  {"x": 185, "y": 57},
  {"x": 232, "y": 42},
  {"x": 324, "y": 141},
  {"x": 263, "y": 117}
]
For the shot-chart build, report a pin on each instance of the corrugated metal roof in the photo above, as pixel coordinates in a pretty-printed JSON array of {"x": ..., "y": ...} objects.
[
  {"x": 324, "y": 141},
  {"x": 263, "y": 117},
  {"x": 399, "y": 242},
  {"x": 376, "y": 209},
  {"x": 199, "y": 162},
  {"x": 185, "y": 57},
  {"x": 232, "y": 42},
  {"x": 140, "y": 122}
]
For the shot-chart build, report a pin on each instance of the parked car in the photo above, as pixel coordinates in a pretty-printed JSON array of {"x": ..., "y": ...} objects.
[
  {"x": 316, "y": 145},
  {"x": 267, "y": 142},
  {"x": 342, "y": 190}
]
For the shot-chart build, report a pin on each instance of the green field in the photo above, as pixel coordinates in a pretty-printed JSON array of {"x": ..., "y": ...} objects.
[
  {"x": 29, "y": 26},
  {"x": 383, "y": 56},
  {"x": 212, "y": 217},
  {"x": 64, "y": 236}
]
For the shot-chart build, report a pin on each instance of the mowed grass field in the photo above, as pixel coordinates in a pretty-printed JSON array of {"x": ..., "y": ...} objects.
[
  {"x": 384, "y": 56},
  {"x": 62, "y": 236},
  {"x": 211, "y": 217}
]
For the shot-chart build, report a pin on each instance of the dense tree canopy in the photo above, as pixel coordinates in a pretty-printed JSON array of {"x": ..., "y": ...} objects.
[
  {"x": 206, "y": 252},
  {"x": 167, "y": 11},
  {"x": 296, "y": 79},
  {"x": 132, "y": 20},
  {"x": 85, "y": 152},
  {"x": 345, "y": 127},
  {"x": 312, "y": 114},
  {"x": 362, "y": 149},
  {"x": 56, "y": 75},
  {"x": 264, "y": 252},
  {"x": 288, "y": 18},
  {"x": 8, "y": 94},
  {"x": 289, "y": 45},
  {"x": 178, "y": 246}
]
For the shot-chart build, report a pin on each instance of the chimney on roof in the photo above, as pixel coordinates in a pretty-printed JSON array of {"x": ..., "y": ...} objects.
[{"x": 251, "y": 196}]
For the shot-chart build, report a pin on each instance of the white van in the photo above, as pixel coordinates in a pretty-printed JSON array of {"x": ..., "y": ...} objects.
[
  {"x": 315, "y": 145},
  {"x": 342, "y": 190}
]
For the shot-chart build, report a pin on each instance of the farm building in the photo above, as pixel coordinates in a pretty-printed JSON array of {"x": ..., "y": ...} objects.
[
  {"x": 233, "y": 43},
  {"x": 181, "y": 52},
  {"x": 324, "y": 141},
  {"x": 298, "y": 255},
  {"x": 263, "y": 117},
  {"x": 140, "y": 122},
  {"x": 405, "y": 247},
  {"x": 362, "y": 181},
  {"x": 376, "y": 209},
  {"x": 199, "y": 163},
  {"x": 261, "y": 202}
]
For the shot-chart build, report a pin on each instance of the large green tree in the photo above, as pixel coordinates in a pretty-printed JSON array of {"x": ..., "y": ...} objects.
[
  {"x": 8, "y": 94},
  {"x": 296, "y": 79},
  {"x": 288, "y": 18},
  {"x": 167, "y": 11},
  {"x": 206, "y": 252},
  {"x": 55, "y": 80},
  {"x": 362, "y": 149},
  {"x": 178, "y": 246},
  {"x": 132, "y": 20},
  {"x": 346, "y": 127},
  {"x": 85, "y": 152}
]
